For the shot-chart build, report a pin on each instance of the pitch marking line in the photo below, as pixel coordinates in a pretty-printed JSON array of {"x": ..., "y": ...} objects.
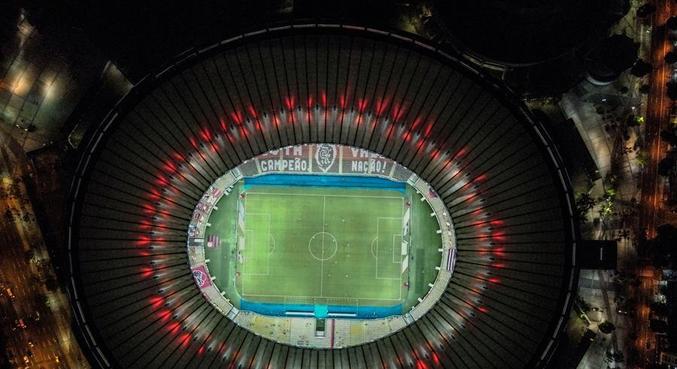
[
  {"x": 267, "y": 238},
  {"x": 324, "y": 206},
  {"x": 323, "y": 234},
  {"x": 397, "y": 249},
  {"x": 374, "y": 246},
  {"x": 317, "y": 297},
  {"x": 244, "y": 262},
  {"x": 378, "y": 222},
  {"x": 271, "y": 239},
  {"x": 250, "y": 235},
  {"x": 318, "y": 195}
]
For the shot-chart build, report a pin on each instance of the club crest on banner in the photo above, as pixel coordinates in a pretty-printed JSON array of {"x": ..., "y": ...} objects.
[
  {"x": 325, "y": 156},
  {"x": 201, "y": 277}
]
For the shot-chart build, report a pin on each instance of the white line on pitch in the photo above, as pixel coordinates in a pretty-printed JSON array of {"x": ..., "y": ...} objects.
[
  {"x": 322, "y": 297},
  {"x": 319, "y": 195},
  {"x": 324, "y": 205}
]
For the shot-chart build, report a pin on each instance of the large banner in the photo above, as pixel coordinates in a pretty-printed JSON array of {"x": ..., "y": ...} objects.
[
  {"x": 201, "y": 277},
  {"x": 360, "y": 161},
  {"x": 324, "y": 158},
  {"x": 290, "y": 159}
]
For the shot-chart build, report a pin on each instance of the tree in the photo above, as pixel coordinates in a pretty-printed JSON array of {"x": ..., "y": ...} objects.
[
  {"x": 658, "y": 326},
  {"x": 29, "y": 254},
  {"x": 51, "y": 284},
  {"x": 672, "y": 90},
  {"x": 672, "y": 23},
  {"x": 665, "y": 166},
  {"x": 671, "y": 57},
  {"x": 608, "y": 201},
  {"x": 645, "y": 10},
  {"x": 660, "y": 309},
  {"x": 664, "y": 244},
  {"x": 584, "y": 203},
  {"x": 584, "y": 305},
  {"x": 607, "y": 327},
  {"x": 669, "y": 137},
  {"x": 642, "y": 158},
  {"x": 640, "y": 68},
  {"x": 612, "y": 56}
]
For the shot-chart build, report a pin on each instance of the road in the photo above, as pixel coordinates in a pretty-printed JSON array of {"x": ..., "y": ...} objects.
[
  {"x": 651, "y": 205},
  {"x": 657, "y": 119},
  {"x": 34, "y": 320},
  {"x": 646, "y": 339}
]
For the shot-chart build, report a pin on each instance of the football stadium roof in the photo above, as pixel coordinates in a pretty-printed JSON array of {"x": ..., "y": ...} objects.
[{"x": 146, "y": 166}]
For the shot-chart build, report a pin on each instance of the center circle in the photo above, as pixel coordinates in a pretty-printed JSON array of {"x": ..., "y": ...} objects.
[{"x": 322, "y": 246}]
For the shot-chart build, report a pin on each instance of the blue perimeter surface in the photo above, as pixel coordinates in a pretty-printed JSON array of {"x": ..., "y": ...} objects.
[
  {"x": 361, "y": 312},
  {"x": 314, "y": 180}
]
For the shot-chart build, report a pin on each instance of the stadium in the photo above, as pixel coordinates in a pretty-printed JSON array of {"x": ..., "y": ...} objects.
[{"x": 320, "y": 196}]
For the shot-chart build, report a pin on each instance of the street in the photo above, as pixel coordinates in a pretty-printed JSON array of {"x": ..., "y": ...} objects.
[
  {"x": 651, "y": 204},
  {"x": 33, "y": 310},
  {"x": 657, "y": 119}
]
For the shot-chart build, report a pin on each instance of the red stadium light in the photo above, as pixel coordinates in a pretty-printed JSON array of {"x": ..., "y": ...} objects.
[
  {"x": 498, "y": 236},
  {"x": 143, "y": 241},
  {"x": 397, "y": 112},
  {"x": 381, "y": 105},
  {"x": 420, "y": 364},
  {"x": 162, "y": 181},
  {"x": 185, "y": 339},
  {"x": 193, "y": 142},
  {"x": 342, "y": 101},
  {"x": 289, "y": 102},
  {"x": 428, "y": 129},
  {"x": 205, "y": 134},
  {"x": 496, "y": 223},
  {"x": 436, "y": 359},
  {"x": 252, "y": 111},
  {"x": 361, "y": 105},
  {"x": 156, "y": 301},
  {"x": 237, "y": 117},
  {"x": 164, "y": 315},
  {"x": 145, "y": 225},
  {"x": 323, "y": 99},
  {"x": 146, "y": 272}
]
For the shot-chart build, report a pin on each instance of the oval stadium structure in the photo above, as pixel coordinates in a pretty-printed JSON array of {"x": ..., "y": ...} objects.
[{"x": 320, "y": 196}]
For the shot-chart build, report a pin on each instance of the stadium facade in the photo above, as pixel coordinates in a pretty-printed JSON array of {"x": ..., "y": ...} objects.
[{"x": 147, "y": 166}]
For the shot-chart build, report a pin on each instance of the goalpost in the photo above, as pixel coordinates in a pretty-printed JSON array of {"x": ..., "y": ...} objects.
[
  {"x": 405, "y": 237},
  {"x": 240, "y": 231}
]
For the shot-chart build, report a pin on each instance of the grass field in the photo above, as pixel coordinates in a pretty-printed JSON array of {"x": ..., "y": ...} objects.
[
  {"x": 323, "y": 246},
  {"x": 330, "y": 246}
]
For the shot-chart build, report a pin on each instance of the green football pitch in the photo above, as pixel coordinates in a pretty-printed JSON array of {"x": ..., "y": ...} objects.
[
  {"x": 323, "y": 246},
  {"x": 329, "y": 246}
]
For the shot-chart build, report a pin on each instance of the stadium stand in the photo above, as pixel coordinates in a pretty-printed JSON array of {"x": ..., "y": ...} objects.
[{"x": 148, "y": 164}]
